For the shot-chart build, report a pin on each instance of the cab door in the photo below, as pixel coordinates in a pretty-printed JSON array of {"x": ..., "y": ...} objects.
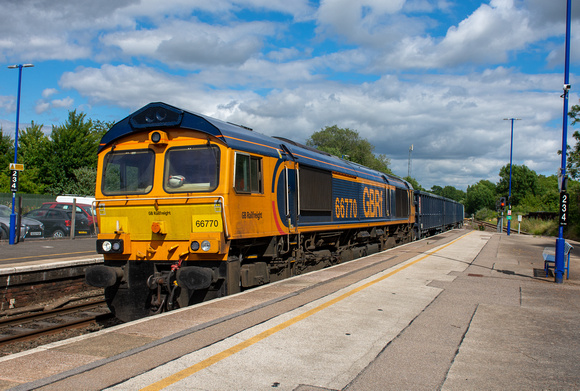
[{"x": 291, "y": 190}]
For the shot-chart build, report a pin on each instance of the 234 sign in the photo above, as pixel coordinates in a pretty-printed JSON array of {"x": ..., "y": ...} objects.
[
  {"x": 563, "y": 208},
  {"x": 14, "y": 181}
]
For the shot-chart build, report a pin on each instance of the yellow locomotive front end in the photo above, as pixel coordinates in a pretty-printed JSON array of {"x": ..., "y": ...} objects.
[
  {"x": 160, "y": 202},
  {"x": 163, "y": 232}
]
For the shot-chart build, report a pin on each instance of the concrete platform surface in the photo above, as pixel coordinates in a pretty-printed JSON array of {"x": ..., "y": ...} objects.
[
  {"x": 33, "y": 254},
  {"x": 464, "y": 310}
]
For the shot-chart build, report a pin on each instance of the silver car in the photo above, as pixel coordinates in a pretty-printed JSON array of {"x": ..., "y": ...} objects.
[{"x": 29, "y": 228}]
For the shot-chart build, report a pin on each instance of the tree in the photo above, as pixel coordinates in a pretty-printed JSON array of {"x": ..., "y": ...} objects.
[
  {"x": 33, "y": 147},
  {"x": 574, "y": 114},
  {"x": 73, "y": 145},
  {"x": 524, "y": 182},
  {"x": 413, "y": 183},
  {"x": 100, "y": 128},
  {"x": 84, "y": 183},
  {"x": 65, "y": 162},
  {"x": 437, "y": 190},
  {"x": 448, "y": 192},
  {"x": 347, "y": 143},
  {"x": 548, "y": 198},
  {"x": 6, "y": 157},
  {"x": 573, "y": 158},
  {"x": 479, "y": 196},
  {"x": 453, "y": 193}
]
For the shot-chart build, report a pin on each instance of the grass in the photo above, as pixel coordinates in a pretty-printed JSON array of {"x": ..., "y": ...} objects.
[
  {"x": 542, "y": 228},
  {"x": 539, "y": 227}
]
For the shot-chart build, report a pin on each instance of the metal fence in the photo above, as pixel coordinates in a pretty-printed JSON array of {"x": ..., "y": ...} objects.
[{"x": 29, "y": 201}]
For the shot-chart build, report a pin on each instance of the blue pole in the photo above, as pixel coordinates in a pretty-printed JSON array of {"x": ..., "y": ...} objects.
[
  {"x": 12, "y": 237},
  {"x": 510, "y": 188},
  {"x": 559, "y": 264}
]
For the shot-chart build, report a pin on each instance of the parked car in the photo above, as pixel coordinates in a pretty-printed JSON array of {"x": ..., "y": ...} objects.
[
  {"x": 28, "y": 227},
  {"x": 57, "y": 222},
  {"x": 85, "y": 209}
]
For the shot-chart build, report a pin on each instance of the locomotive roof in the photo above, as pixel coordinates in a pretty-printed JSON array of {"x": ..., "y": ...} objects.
[{"x": 159, "y": 115}]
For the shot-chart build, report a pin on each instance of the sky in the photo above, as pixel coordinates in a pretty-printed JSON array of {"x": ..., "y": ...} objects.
[{"x": 440, "y": 75}]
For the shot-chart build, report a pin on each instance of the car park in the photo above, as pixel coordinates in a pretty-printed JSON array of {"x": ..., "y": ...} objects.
[
  {"x": 58, "y": 222},
  {"x": 29, "y": 228},
  {"x": 85, "y": 209}
]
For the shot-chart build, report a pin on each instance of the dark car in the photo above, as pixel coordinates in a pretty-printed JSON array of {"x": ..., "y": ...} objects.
[
  {"x": 87, "y": 210},
  {"x": 28, "y": 227},
  {"x": 57, "y": 222}
]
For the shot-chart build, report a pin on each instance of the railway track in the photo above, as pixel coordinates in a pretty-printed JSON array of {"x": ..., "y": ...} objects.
[
  {"x": 487, "y": 225},
  {"x": 35, "y": 325}
]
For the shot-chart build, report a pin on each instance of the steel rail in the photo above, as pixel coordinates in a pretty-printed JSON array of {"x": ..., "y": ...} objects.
[{"x": 10, "y": 323}]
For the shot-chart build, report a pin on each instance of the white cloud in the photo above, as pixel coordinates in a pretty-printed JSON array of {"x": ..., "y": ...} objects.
[
  {"x": 66, "y": 30},
  {"x": 133, "y": 87},
  {"x": 66, "y": 103},
  {"x": 48, "y": 92},
  {"x": 136, "y": 43},
  {"x": 8, "y": 103},
  {"x": 470, "y": 140},
  {"x": 283, "y": 54},
  {"x": 190, "y": 43},
  {"x": 396, "y": 71},
  {"x": 158, "y": 10},
  {"x": 42, "y": 106},
  {"x": 374, "y": 23},
  {"x": 487, "y": 36}
]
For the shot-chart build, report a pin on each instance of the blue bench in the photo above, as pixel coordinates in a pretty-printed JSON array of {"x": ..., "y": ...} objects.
[{"x": 549, "y": 256}]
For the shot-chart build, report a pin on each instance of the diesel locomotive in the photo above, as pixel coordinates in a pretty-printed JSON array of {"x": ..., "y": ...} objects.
[{"x": 192, "y": 208}]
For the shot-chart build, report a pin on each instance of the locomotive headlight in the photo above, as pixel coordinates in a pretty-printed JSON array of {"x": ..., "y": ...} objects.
[
  {"x": 106, "y": 246},
  {"x": 194, "y": 246},
  {"x": 205, "y": 245},
  {"x": 110, "y": 246},
  {"x": 158, "y": 137}
]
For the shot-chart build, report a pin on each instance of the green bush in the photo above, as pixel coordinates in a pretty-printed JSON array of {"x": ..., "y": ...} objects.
[{"x": 485, "y": 214}]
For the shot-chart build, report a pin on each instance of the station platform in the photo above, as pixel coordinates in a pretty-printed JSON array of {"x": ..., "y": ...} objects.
[
  {"x": 33, "y": 254},
  {"x": 465, "y": 310}
]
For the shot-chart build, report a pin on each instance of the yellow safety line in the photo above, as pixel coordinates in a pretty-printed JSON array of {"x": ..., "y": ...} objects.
[
  {"x": 47, "y": 255},
  {"x": 265, "y": 334}
]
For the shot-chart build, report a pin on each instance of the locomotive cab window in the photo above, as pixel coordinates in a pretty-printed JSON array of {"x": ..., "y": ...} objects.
[
  {"x": 191, "y": 169},
  {"x": 248, "y": 174},
  {"x": 128, "y": 172}
]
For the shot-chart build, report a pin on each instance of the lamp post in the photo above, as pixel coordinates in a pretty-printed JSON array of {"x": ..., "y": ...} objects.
[
  {"x": 510, "y": 187},
  {"x": 409, "y": 166},
  {"x": 560, "y": 242},
  {"x": 13, "y": 214}
]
